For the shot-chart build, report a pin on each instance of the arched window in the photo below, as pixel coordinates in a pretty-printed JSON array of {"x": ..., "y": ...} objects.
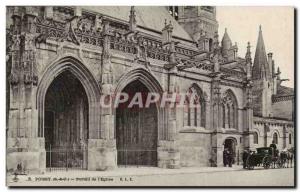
[
  {"x": 290, "y": 138},
  {"x": 275, "y": 138},
  {"x": 195, "y": 108},
  {"x": 255, "y": 138},
  {"x": 223, "y": 115},
  {"x": 229, "y": 112}
]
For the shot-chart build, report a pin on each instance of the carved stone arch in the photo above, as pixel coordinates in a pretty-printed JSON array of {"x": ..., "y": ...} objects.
[
  {"x": 89, "y": 83},
  {"x": 199, "y": 91},
  {"x": 142, "y": 75},
  {"x": 229, "y": 94},
  {"x": 277, "y": 134},
  {"x": 149, "y": 80},
  {"x": 230, "y": 102},
  {"x": 276, "y": 131},
  {"x": 195, "y": 116},
  {"x": 231, "y": 138},
  {"x": 258, "y": 131}
]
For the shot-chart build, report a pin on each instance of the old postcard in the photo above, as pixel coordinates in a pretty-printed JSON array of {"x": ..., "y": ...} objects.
[{"x": 150, "y": 96}]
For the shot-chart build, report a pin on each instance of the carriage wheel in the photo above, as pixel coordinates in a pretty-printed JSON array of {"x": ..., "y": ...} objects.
[{"x": 266, "y": 162}]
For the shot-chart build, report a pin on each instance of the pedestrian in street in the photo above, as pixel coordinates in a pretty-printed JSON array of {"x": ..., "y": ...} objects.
[
  {"x": 230, "y": 158},
  {"x": 245, "y": 156},
  {"x": 225, "y": 157},
  {"x": 274, "y": 146}
]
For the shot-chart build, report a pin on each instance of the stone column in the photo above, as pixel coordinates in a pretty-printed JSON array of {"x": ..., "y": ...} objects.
[
  {"x": 102, "y": 152},
  {"x": 168, "y": 150},
  {"x": 248, "y": 116},
  {"x": 24, "y": 146},
  {"x": 217, "y": 144},
  {"x": 172, "y": 132}
]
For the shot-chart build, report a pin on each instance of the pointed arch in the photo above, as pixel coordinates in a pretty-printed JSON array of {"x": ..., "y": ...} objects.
[
  {"x": 195, "y": 107},
  {"x": 153, "y": 85},
  {"x": 143, "y": 76},
  {"x": 229, "y": 101},
  {"x": 86, "y": 78}
]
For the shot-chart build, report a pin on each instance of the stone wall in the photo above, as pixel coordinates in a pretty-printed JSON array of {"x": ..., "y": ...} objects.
[{"x": 283, "y": 109}]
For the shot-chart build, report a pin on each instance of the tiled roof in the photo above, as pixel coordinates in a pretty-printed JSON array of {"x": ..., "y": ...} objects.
[
  {"x": 284, "y": 91},
  {"x": 152, "y": 17}
]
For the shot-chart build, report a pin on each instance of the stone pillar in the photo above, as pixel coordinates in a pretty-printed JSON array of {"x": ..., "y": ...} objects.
[
  {"x": 284, "y": 133},
  {"x": 248, "y": 116},
  {"x": 102, "y": 152},
  {"x": 24, "y": 146},
  {"x": 217, "y": 139},
  {"x": 172, "y": 133}
]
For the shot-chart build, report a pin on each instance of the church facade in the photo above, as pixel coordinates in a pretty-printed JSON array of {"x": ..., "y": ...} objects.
[{"x": 62, "y": 62}]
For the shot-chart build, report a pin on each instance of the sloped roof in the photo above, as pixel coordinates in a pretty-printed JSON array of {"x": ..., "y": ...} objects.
[
  {"x": 152, "y": 17},
  {"x": 260, "y": 65},
  {"x": 284, "y": 91}
]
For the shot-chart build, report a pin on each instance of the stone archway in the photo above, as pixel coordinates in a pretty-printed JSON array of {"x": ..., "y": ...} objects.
[
  {"x": 89, "y": 84},
  {"x": 66, "y": 123},
  {"x": 141, "y": 80},
  {"x": 74, "y": 70},
  {"x": 231, "y": 144},
  {"x": 136, "y": 129}
]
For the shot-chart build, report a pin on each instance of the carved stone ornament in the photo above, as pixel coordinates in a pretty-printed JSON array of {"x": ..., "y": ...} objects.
[{"x": 13, "y": 79}]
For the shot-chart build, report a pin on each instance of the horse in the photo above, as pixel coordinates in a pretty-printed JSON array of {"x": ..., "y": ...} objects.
[{"x": 283, "y": 155}]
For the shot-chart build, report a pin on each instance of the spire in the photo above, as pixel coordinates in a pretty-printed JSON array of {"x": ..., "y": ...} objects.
[
  {"x": 226, "y": 43},
  {"x": 132, "y": 20},
  {"x": 248, "y": 53},
  {"x": 260, "y": 67},
  {"x": 248, "y": 61}
]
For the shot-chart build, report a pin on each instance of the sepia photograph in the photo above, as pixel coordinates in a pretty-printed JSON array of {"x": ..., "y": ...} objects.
[{"x": 150, "y": 96}]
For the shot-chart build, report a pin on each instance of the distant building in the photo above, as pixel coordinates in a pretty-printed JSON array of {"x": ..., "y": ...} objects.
[{"x": 62, "y": 60}]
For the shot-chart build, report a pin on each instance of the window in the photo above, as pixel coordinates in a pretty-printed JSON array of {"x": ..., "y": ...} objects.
[
  {"x": 173, "y": 10},
  {"x": 255, "y": 138},
  {"x": 290, "y": 138},
  {"x": 229, "y": 112},
  {"x": 275, "y": 138},
  {"x": 194, "y": 111}
]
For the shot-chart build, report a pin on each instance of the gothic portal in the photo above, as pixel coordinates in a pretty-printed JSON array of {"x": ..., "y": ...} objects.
[
  {"x": 66, "y": 122},
  {"x": 136, "y": 128}
]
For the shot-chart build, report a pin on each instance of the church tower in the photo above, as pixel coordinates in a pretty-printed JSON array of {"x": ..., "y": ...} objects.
[
  {"x": 198, "y": 21},
  {"x": 263, "y": 76}
]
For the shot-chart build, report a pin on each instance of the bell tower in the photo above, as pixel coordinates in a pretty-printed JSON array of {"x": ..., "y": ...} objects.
[{"x": 198, "y": 21}]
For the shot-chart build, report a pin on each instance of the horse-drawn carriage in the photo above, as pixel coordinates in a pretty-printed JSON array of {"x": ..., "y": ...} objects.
[{"x": 267, "y": 157}]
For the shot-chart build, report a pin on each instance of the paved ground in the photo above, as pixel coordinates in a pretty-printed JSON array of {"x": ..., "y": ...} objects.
[{"x": 145, "y": 176}]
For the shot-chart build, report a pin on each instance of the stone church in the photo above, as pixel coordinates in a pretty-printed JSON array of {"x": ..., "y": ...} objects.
[{"x": 60, "y": 60}]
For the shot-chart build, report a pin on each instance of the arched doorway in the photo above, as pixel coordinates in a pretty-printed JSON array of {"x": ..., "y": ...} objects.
[
  {"x": 66, "y": 123},
  {"x": 230, "y": 144},
  {"x": 136, "y": 129}
]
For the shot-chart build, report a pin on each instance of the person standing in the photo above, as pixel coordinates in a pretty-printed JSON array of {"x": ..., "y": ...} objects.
[
  {"x": 225, "y": 157},
  {"x": 245, "y": 156},
  {"x": 230, "y": 158}
]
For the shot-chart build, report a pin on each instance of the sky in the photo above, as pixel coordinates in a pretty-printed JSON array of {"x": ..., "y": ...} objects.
[{"x": 277, "y": 24}]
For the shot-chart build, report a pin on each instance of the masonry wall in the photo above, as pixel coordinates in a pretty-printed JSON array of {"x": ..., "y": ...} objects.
[
  {"x": 283, "y": 109},
  {"x": 195, "y": 149},
  {"x": 279, "y": 128}
]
